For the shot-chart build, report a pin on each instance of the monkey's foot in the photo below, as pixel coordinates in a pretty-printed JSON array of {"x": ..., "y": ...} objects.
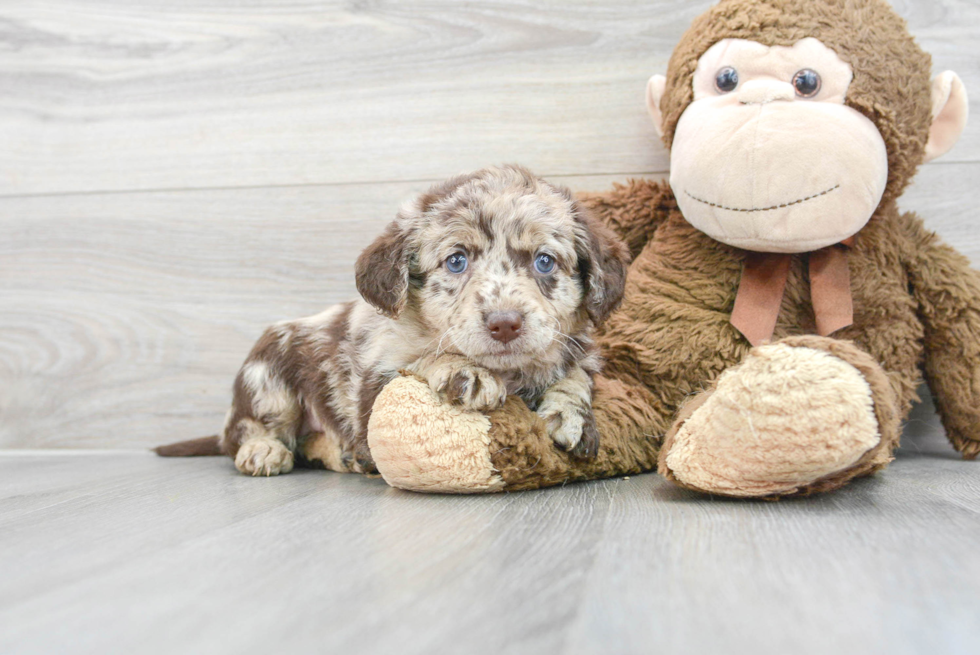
[
  {"x": 420, "y": 443},
  {"x": 803, "y": 415}
]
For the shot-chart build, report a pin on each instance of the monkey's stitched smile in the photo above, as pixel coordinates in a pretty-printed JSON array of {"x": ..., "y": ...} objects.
[{"x": 763, "y": 209}]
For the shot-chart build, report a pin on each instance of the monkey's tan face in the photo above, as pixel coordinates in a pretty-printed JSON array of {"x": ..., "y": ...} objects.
[
  {"x": 767, "y": 157},
  {"x": 498, "y": 277}
]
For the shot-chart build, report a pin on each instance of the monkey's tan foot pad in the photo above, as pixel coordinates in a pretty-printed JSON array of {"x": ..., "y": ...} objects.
[
  {"x": 420, "y": 443},
  {"x": 264, "y": 456},
  {"x": 783, "y": 420}
]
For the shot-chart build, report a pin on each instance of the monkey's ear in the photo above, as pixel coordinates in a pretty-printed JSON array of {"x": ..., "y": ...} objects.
[
  {"x": 603, "y": 260},
  {"x": 949, "y": 111},
  {"x": 655, "y": 91},
  {"x": 381, "y": 272}
]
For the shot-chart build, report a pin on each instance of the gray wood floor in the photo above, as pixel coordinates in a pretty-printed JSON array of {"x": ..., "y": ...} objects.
[
  {"x": 124, "y": 552},
  {"x": 174, "y": 176}
]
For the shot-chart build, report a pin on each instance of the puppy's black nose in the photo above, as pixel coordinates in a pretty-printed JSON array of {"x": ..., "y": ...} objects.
[{"x": 505, "y": 326}]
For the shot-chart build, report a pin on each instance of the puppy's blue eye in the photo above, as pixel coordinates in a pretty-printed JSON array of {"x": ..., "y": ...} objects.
[
  {"x": 544, "y": 264},
  {"x": 726, "y": 79},
  {"x": 456, "y": 262}
]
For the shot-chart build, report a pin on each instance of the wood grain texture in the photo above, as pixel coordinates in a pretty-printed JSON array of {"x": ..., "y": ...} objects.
[
  {"x": 107, "y": 95},
  {"x": 126, "y": 316},
  {"x": 131, "y": 553}
]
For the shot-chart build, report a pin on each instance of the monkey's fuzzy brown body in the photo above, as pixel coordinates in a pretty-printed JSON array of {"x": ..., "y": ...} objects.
[
  {"x": 672, "y": 337},
  {"x": 682, "y": 388}
]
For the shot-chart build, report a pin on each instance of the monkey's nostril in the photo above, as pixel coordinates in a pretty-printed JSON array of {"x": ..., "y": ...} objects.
[{"x": 505, "y": 326}]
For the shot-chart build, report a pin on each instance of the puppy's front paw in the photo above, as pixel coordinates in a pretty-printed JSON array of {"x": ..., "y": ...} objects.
[
  {"x": 264, "y": 456},
  {"x": 472, "y": 388},
  {"x": 571, "y": 425}
]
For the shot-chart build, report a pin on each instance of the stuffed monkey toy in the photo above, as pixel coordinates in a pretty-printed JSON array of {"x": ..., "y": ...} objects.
[{"x": 780, "y": 310}]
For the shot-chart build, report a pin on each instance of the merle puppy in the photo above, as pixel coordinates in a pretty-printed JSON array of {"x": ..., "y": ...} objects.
[{"x": 487, "y": 285}]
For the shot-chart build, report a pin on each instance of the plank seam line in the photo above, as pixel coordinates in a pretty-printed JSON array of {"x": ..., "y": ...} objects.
[
  {"x": 71, "y": 452},
  {"x": 299, "y": 185},
  {"x": 303, "y": 185}
]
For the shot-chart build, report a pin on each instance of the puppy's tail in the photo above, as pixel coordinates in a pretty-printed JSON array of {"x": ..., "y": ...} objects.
[{"x": 203, "y": 447}]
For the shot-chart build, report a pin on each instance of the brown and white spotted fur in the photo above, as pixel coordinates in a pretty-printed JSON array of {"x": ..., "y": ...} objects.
[{"x": 500, "y": 326}]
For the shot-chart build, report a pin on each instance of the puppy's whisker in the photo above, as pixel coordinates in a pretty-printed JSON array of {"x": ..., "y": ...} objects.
[
  {"x": 439, "y": 345},
  {"x": 570, "y": 342},
  {"x": 429, "y": 343},
  {"x": 452, "y": 340}
]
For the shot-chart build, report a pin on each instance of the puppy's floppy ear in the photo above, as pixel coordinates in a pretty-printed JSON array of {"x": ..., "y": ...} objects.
[
  {"x": 603, "y": 260},
  {"x": 381, "y": 272}
]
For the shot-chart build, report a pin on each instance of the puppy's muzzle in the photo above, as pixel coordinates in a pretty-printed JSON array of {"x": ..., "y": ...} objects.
[{"x": 505, "y": 326}]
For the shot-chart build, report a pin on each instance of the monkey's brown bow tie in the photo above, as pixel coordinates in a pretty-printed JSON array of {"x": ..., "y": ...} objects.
[{"x": 760, "y": 291}]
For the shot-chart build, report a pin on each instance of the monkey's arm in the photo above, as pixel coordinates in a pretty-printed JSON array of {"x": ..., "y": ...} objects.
[
  {"x": 422, "y": 444},
  {"x": 634, "y": 210},
  {"x": 947, "y": 291},
  {"x": 523, "y": 455}
]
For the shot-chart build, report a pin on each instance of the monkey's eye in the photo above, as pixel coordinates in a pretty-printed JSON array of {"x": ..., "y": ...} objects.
[
  {"x": 807, "y": 83},
  {"x": 726, "y": 79},
  {"x": 456, "y": 262},
  {"x": 544, "y": 263}
]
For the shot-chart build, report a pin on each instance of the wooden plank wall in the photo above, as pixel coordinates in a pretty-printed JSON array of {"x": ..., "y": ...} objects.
[{"x": 176, "y": 175}]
